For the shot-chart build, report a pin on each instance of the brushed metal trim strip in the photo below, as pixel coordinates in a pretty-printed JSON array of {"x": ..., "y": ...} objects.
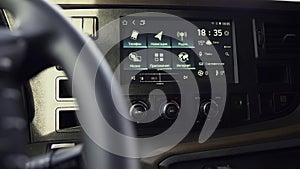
[
  {"x": 255, "y": 38},
  {"x": 8, "y": 19},
  {"x": 62, "y": 145},
  {"x": 235, "y": 60}
]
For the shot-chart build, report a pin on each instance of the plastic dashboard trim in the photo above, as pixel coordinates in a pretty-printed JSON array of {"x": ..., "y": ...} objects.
[{"x": 229, "y": 151}]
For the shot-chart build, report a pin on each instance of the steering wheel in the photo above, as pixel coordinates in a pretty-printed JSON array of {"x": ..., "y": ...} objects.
[{"x": 44, "y": 38}]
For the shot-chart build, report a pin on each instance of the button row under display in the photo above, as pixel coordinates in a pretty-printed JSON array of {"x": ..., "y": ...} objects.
[{"x": 87, "y": 25}]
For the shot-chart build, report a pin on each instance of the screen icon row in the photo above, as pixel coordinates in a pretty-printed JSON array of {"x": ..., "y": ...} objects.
[
  {"x": 158, "y": 59},
  {"x": 159, "y": 40}
]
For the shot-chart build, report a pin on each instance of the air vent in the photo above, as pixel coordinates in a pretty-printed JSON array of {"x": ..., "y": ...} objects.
[
  {"x": 66, "y": 120},
  {"x": 282, "y": 39}
]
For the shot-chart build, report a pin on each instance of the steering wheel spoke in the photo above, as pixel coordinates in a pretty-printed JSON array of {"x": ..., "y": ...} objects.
[
  {"x": 12, "y": 48},
  {"x": 22, "y": 53},
  {"x": 13, "y": 124}
]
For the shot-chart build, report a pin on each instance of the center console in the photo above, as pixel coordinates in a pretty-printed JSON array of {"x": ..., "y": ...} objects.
[
  {"x": 158, "y": 54},
  {"x": 250, "y": 54}
]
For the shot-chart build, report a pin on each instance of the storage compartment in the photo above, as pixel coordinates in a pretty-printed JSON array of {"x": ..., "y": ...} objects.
[{"x": 270, "y": 74}]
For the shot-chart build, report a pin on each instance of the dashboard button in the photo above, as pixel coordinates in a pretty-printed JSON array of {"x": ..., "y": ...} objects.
[
  {"x": 266, "y": 104},
  {"x": 87, "y": 25},
  {"x": 170, "y": 110},
  {"x": 135, "y": 41},
  {"x": 90, "y": 25},
  {"x": 239, "y": 108},
  {"x": 283, "y": 101},
  {"x": 138, "y": 111},
  {"x": 183, "y": 59},
  {"x": 77, "y": 22},
  {"x": 186, "y": 43},
  {"x": 135, "y": 60},
  {"x": 159, "y": 41},
  {"x": 210, "y": 108},
  {"x": 159, "y": 59}
]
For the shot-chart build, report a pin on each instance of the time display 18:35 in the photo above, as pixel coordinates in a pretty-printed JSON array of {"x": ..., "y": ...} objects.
[{"x": 214, "y": 32}]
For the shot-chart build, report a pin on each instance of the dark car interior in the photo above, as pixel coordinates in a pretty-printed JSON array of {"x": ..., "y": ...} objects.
[{"x": 161, "y": 84}]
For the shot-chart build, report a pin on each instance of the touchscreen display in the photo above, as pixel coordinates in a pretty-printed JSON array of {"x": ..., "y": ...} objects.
[{"x": 153, "y": 46}]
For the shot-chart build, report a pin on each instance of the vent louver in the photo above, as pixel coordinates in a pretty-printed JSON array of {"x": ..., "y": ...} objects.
[{"x": 282, "y": 39}]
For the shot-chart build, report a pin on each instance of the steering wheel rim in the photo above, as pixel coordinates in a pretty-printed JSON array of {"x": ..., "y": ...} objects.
[{"x": 44, "y": 38}]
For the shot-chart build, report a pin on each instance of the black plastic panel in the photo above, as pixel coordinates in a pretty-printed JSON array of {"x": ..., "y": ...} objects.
[
  {"x": 252, "y": 100},
  {"x": 277, "y": 155},
  {"x": 273, "y": 74}
]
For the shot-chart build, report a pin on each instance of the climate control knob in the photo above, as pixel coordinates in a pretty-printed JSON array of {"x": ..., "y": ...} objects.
[
  {"x": 138, "y": 111},
  {"x": 170, "y": 110},
  {"x": 210, "y": 108}
]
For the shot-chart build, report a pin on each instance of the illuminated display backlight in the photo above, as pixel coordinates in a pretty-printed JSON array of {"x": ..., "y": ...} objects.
[{"x": 150, "y": 50}]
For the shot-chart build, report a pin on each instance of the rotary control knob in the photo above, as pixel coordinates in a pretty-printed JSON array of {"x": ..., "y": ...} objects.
[
  {"x": 138, "y": 110},
  {"x": 210, "y": 108},
  {"x": 170, "y": 110}
]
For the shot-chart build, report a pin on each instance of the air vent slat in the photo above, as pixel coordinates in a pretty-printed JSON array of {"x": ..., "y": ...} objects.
[{"x": 282, "y": 39}]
